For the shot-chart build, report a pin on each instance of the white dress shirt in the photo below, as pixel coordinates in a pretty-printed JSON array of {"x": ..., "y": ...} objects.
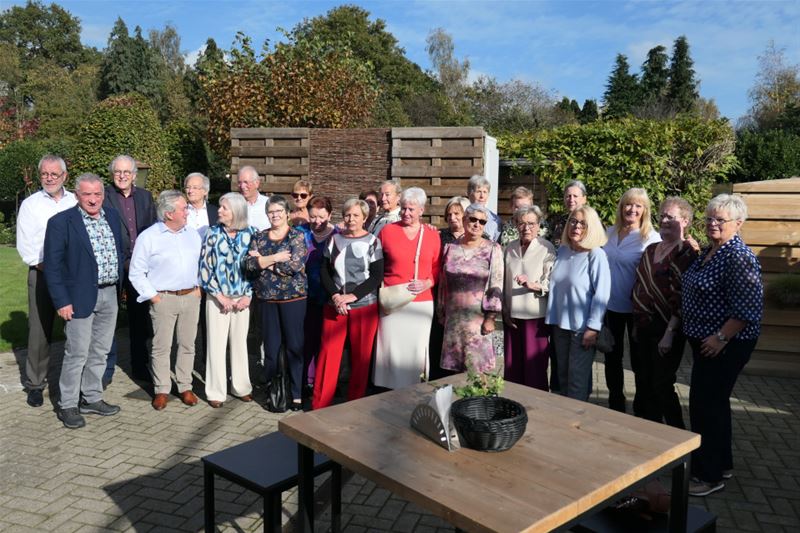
[
  {"x": 257, "y": 213},
  {"x": 32, "y": 219},
  {"x": 623, "y": 258},
  {"x": 164, "y": 260},
  {"x": 198, "y": 219}
]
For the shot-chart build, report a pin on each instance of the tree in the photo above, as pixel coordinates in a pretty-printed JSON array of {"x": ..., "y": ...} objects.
[
  {"x": 655, "y": 75},
  {"x": 451, "y": 73},
  {"x": 589, "y": 112},
  {"x": 512, "y": 106},
  {"x": 167, "y": 43},
  {"x": 682, "y": 87},
  {"x": 210, "y": 59},
  {"x": 622, "y": 90},
  {"x": 777, "y": 88}
]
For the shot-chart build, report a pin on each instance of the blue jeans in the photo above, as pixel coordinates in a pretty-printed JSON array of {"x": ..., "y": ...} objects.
[
  {"x": 88, "y": 342},
  {"x": 282, "y": 324},
  {"x": 574, "y": 363}
]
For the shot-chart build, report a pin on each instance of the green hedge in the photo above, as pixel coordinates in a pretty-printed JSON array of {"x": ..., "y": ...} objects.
[
  {"x": 21, "y": 157},
  {"x": 768, "y": 155}
]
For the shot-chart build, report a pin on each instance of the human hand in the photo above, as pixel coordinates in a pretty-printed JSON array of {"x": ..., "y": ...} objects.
[
  {"x": 417, "y": 286},
  {"x": 508, "y": 321},
  {"x": 488, "y": 325},
  {"x": 243, "y": 303},
  {"x": 282, "y": 256},
  {"x": 225, "y": 303},
  {"x": 589, "y": 339},
  {"x": 693, "y": 243},
  {"x": 665, "y": 344},
  {"x": 66, "y": 312},
  {"x": 155, "y": 299},
  {"x": 711, "y": 346}
]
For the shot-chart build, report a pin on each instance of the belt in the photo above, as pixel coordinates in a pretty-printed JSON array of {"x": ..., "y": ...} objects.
[
  {"x": 180, "y": 292},
  {"x": 106, "y": 285}
]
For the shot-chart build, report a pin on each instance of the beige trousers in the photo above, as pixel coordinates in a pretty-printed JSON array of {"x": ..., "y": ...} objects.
[
  {"x": 226, "y": 330},
  {"x": 174, "y": 316}
]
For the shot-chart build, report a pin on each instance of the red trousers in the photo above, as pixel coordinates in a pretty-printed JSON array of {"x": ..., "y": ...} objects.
[{"x": 360, "y": 325}]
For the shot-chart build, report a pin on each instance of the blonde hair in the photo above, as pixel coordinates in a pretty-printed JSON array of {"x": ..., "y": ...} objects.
[
  {"x": 522, "y": 192},
  {"x": 635, "y": 194},
  {"x": 594, "y": 236},
  {"x": 302, "y": 185}
]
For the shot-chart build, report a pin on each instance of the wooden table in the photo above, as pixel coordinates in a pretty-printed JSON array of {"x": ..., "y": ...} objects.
[{"x": 574, "y": 458}]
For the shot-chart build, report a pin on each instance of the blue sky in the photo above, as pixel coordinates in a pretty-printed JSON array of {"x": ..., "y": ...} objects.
[{"x": 568, "y": 47}]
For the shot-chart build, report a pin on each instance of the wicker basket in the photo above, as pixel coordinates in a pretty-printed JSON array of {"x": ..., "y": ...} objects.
[{"x": 489, "y": 423}]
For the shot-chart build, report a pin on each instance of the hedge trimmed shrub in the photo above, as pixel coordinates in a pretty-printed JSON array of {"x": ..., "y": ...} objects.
[
  {"x": 125, "y": 124},
  {"x": 21, "y": 157},
  {"x": 767, "y": 155},
  {"x": 187, "y": 150}
]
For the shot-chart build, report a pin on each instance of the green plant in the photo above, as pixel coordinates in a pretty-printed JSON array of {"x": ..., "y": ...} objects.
[
  {"x": 8, "y": 233},
  {"x": 19, "y": 159},
  {"x": 784, "y": 291},
  {"x": 488, "y": 383},
  {"x": 767, "y": 155}
]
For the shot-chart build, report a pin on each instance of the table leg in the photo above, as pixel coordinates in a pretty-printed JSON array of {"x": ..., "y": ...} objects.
[
  {"x": 679, "y": 504},
  {"x": 336, "y": 498},
  {"x": 305, "y": 486},
  {"x": 208, "y": 497}
]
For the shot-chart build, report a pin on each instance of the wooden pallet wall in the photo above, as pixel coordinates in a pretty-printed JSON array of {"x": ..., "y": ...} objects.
[
  {"x": 772, "y": 231},
  {"x": 281, "y": 155}
]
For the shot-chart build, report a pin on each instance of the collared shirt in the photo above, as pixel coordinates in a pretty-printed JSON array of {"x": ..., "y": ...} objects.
[
  {"x": 623, "y": 258},
  {"x": 728, "y": 286},
  {"x": 104, "y": 247},
  {"x": 128, "y": 214},
  {"x": 32, "y": 219},
  {"x": 492, "y": 229},
  {"x": 222, "y": 262},
  {"x": 257, "y": 213},
  {"x": 198, "y": 219},
  {"x": 387, "y": 217},
  {"x": 164, "y": 260},
  {"x": 536, "y": 263}
]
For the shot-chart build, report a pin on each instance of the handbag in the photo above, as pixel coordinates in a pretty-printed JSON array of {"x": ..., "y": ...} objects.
[
  {"x": 278, "y": 388},
  {"x": 396, "y": 297},
  {"x": 605, "y": 340}
]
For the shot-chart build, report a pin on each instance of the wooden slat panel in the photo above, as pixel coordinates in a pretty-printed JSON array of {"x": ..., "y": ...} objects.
[
  {"x": 291, "y": 170},
  {"x": 764, "y": 233},
  {"x": 783, "y": 185},
  {"x": 439, "y": 133},
  {"x": 778, "y": 364},
  {"x": 438, "y": 172},
  {"x": 778, "y": 339},
  {"x": 271, "y": 151},
  {"x": 441, "y": 152},
  {"x": 272, "y": 133},
  {"x": 773, "y": 206},
  {"x": 778, "y": 258},
  {"x": 775, "y": 316}
]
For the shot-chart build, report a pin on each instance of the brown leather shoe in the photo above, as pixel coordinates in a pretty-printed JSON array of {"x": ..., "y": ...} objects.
[
  {"x": 247, "y": 398},
  {"x": 160, "y": 401},
  {"x": 188, "y": 398},
  {"x": 215, "y": 404}
]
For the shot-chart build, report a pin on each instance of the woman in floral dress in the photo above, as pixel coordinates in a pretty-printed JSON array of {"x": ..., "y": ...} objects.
[{"x": 470, "y": 296}]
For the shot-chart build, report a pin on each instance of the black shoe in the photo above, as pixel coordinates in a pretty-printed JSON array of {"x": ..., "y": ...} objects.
[
  {"x": 296, "y": 406},
  {"x": 71, "y": 418},
  {"x": 35, "y": 398},
  {"x": 99, "y": 407}
]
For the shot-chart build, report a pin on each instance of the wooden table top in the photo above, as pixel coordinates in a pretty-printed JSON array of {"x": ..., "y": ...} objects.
[{"x": 573, "y": 456}]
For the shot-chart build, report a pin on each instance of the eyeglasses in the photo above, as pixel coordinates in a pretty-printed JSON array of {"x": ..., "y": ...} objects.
[
  {"x": 276, "y": 212},
  {"x": 481, "y": 221},
  {"x": 527, "y": 224},
  {"x": 668, "y": 218},
  {"x": 299, "y": 195},
  {"x": 126, "y": 173},
  {"x": 51, "y": 175},
  {"x": 195, "y": 188},
  {"x": 712, "y": 221},
  {"x": 577, "y": 223}
]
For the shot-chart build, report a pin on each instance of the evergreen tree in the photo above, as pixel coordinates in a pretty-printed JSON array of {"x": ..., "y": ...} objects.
[
  {"x": 209, "y": 59},
  {"x": 655, "y": 75},
  {"x": 589, "y": 113},
  {"x": 622, "y": 90},
  {"x": 682, "y": 87}
]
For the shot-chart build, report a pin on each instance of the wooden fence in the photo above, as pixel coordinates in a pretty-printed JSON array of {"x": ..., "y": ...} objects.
[{"x": 772, "y": 231}]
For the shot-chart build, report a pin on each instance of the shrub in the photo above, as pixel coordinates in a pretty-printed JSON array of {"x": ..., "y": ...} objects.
[
  {"x": 767, "y": 155},
  {"x": 20, "y": 158},
  {"x": 187, "y": 150},
  {"x": 125, "y": 124}
]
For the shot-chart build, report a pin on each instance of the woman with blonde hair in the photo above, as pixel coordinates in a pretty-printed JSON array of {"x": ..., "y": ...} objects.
[
  {"x": 301, "y": 194},
  {"x": 631, "y": 233},
  {"x": 579, "y": 288}
]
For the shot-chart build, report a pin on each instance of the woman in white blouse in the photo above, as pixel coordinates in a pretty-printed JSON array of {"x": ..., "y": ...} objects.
[
  {"x": 529, "y": 261},
  {"x": 627, "y": 238}
]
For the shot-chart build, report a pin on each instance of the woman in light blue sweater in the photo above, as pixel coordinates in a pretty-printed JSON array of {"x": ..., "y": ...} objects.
[{"x": 579, "y": 290}]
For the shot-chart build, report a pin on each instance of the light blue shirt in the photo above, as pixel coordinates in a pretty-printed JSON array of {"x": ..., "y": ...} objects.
[
  {"x": 579, "y": 288},
  {"x": 164, "y": 260},
  {"x": 623, "y": 258}
]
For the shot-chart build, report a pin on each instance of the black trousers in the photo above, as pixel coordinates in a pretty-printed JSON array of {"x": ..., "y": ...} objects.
[
  {"x": 656, "y": 375},
  {"x": 713, "y": 379},
  {"x": 615, "y": 376}
]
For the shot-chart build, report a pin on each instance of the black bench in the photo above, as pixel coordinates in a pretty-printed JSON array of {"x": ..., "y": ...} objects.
[{"x": 267, "y": 466}]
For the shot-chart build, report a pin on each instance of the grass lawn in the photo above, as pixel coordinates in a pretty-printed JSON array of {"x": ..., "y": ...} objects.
[{"x": 14, "y": 302}]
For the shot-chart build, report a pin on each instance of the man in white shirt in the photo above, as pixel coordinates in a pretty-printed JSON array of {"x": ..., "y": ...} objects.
[
  {"x": 202, "y": 214},
  {"x": 32, "y": 219},
  {"x": 164, "y": 271},
  {"x": 390, "y": 206},
  {"x": 249, "y": 183}
]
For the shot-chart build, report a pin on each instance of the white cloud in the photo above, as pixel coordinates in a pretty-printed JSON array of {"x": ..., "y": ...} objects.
[{"x": 190, "y": 58}]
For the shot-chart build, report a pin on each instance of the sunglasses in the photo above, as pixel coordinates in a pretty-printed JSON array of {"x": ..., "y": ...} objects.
[
  {"x": 300, "y": 195},
  {"x": 481, "y": 221}
]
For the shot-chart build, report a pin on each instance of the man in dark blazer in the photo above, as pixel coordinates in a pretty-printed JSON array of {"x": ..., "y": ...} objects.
[
  {"x": 138, "y": 212},
  {"x": 83, "y": 269}
]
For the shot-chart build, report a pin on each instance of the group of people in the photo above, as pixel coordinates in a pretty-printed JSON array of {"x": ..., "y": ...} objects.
[{"x": 411, "y": 301}]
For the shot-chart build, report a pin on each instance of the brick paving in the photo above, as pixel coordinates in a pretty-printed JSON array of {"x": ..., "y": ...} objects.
[{"x": 140, "y": 470}]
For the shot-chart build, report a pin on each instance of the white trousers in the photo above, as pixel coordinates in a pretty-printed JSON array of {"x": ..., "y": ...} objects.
[{"x": 226, "y": 330}]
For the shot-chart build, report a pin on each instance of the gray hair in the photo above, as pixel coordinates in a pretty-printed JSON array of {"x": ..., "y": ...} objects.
[
  {"x": 352, "y": 202},
  {"x": 87, "y": 177},
  {"x": 456, "y": 200},
  {"x": 416, "y": 195},
  {"x": 206, "y": 181},
  {"x": 51, "y": 158},
  {"x": 238, "y": 208},
  {"x": 575, "y": 183},
  {"x": 248, "y": 169},
  {"x": 477, "y": 208},
  {"x": 528, "y": 210},
  {"x": 166, "y": 203},
  {"x": 132, "y": 161},
  {"x": 732, "y": 203},
  {"x": 394, "y": 183},
  {"x": 476, "y": 182},
  {"x": 277, "y": 199}
]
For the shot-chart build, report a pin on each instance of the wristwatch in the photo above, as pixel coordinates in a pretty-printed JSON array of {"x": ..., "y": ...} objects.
[{"x": 721, "y": 337}]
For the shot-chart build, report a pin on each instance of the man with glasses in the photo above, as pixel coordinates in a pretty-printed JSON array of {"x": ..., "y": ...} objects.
[
  {"x": 249, "y": 183},
  {"x": 32, "y": 219},
  {"x": 138, "y": 212},
  {"x": 202, "y": 214}
]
